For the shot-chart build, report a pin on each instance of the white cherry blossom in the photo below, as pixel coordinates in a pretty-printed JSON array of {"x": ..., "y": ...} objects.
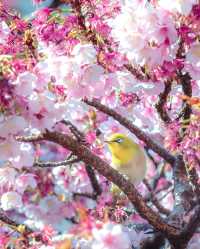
[{"x": 11, "y": 200}]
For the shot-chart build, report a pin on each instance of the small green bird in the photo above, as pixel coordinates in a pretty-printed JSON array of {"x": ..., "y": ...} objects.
[{"x": 127, "y": 157}]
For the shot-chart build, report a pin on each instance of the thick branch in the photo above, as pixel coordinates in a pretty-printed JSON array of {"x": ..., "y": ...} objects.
[
  {"x": 192, "y": 225},
  {"x": 134, "y": 129},
  {"x": 184, "y": 200},
  {"x": 111, "y": 174},
  {"x": 185, "y": 81},
  {"x": 161, "y": 104},
  {"x": 182, "y": 189}
]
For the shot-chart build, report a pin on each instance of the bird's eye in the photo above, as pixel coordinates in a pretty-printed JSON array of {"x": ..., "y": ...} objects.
[{"x": 119, "y": 140}]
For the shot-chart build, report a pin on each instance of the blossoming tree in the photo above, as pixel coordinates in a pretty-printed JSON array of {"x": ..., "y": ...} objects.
[{"x": 69, "y": 77}]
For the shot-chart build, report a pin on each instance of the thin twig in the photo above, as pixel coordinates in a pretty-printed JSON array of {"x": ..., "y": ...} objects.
[
  {"x": 151, "y": 157},
  {"x": 74, "y": 130},
  {"x": 87, "y": 195},
  {"x": 157, "y": 177},
  {"x": 94, "y": 182},
  {"x": 156, "y": 192},
  {"x": 165, "y": 194},
  {"x": 13, "y": 224},
  {"x": 90, "y": 171},
  {"x": 155, "y": 200},
  {"x": 53, "y": 164}
]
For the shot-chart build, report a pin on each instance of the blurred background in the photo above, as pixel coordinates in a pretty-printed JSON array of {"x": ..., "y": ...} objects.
[{"x": 26, "y": 7}]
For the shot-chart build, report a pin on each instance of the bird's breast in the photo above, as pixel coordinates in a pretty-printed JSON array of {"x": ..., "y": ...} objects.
[{"x": 135, "y": 168}]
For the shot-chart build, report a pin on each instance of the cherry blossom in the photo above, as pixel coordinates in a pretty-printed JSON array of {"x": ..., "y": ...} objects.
[
  {"x": 140, "y": 38},
  {"x": 184, "y": 6},
  {"x": 7, "y": 176},
  {"x": 110, "y": 236},
  {"x": 11, "y": 200}
]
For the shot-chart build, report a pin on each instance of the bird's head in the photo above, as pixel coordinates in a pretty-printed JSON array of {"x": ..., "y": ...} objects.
[{"x": 120, "y": 145}]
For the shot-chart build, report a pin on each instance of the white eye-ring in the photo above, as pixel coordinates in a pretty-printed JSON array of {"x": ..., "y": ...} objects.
[{"x": 119, "y": 140}]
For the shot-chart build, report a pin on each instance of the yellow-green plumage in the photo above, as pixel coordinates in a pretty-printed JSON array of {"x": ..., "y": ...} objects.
[{"x": 127, "y": 157}]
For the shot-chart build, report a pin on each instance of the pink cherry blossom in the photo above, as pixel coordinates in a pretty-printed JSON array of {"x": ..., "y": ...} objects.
[
  {"x": 110, "y": 236},
  {"x": 84, "y": 54},
  {"x": 24, "y": 181},
  {"x": 141, "y": 38},
  {"x": 7, "y": 176},
  {"x": 181, "y": 6}
]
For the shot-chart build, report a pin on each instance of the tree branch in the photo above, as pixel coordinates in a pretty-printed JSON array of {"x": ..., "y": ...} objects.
[
  {"x": 155, "y": 200},
  {"x": 90, "y": 172},
  {"x": 53, "y": 164},
  {"x": 194, "y": 222},
  {"x": 151, "y": 157},
  {"x": 134, "y": 129},
  {"x": 194, "y": 180},
  {"x": 87, "y": 195},
  {"x": 111, "y": 174},
  {"x": 184, "y": 200},
  {"x": 160, "y": 105},
  {"x": 184, "y": 196},
  {"x": 55, "y": 4},
  {"x": 32, "y": 138},
  {"x": 94, "y": 182},
  {"x": 185, "y": 81},
  {"x": 165, "y": 194},
  {"x": 13, "y": 224},
  {"x": 156, "y": 242},
  {"x": 80, "y": 136}
]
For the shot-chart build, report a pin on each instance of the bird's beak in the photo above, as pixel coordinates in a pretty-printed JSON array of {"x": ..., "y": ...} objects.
[{"x": 107, "y": 141}]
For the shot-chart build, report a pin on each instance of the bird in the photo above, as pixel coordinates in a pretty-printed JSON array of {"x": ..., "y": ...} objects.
[{"x": 128, "y": 158}]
